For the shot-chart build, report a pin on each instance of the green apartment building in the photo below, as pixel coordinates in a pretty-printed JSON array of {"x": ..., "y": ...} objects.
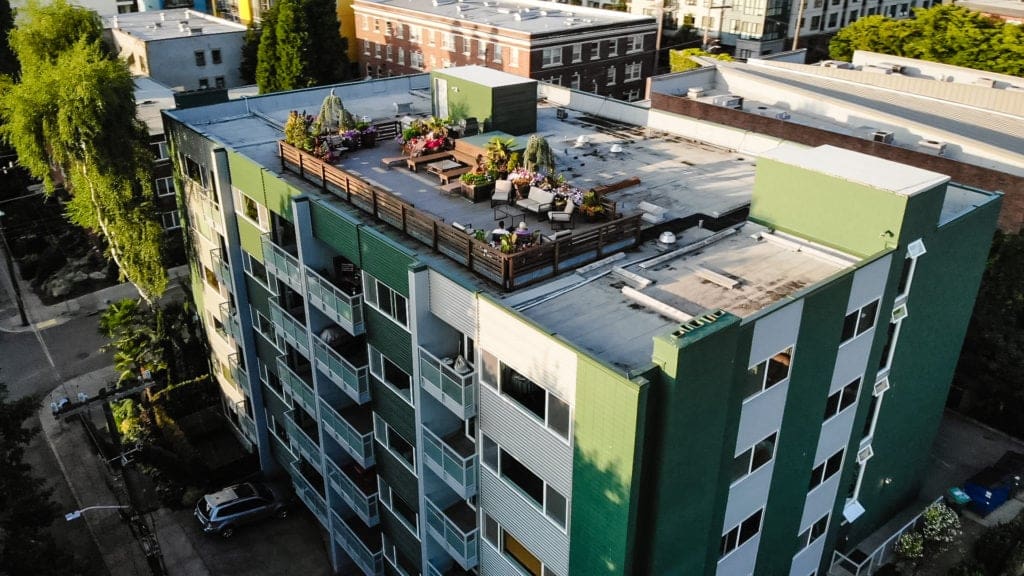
[{"x": 747, "y": 397}]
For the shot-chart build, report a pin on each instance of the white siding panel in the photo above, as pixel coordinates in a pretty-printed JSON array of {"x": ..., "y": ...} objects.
[
  {"x": 528, "y": 351},
  {"x": 747, "y": 495},
  {"x": 741, "y": 561},
  {"x": 526, "y": 523},
  {"x": 525, "y": 438},
  {"x": 869, "y": 283},
  {"x": 851, "y": 360},
  {"x": 835, "y": 433},
  {"x": 761, "y": 415},
  {"x": 493, "y": 563},
  {"x": 775, "y": 332},
  {"x": 819, "y": 502},
  {"x": 453, "y": 304},
  {"x": 807, "y": 560}
]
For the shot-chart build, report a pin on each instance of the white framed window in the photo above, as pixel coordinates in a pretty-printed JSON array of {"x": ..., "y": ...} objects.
[
  {"x": 497, "y": 54},
  {"x": 466, "y": 46},
  {"x": 813, "y": 532},
  {"x": 633, "y": 71},
  {"x": 196, "y": 172},
  {"x": 389, "y": 29},
  {"x": 632, "y": 95},
  {"x": 575, "y": 82},
  {"x": 390, "y": 53},
  {"x": 752, "y": 459},
  {"x": 405, "y": 513},
  {"x": 383, "y": 299},
  {"x": 532, "y": 487},
  {"x": 481, "y": 49},
  {"x": 446, "y": 63},
  {"x": 577, "y": 52},
  {"x": 634, "y": 43},
  {"x": 768, "y": 373},
  {"x": 447, "y": 41},
  {"x": 170, "y": 220},
  {"x": 256, "y": 270},
  {"x": 366, "y": 47},
  {"x": 827, "y": 469},
  {"x": 160, "y": 150},
  {"x": 741, "y": 533},
  {"x": 611, "y": 75},
  {"x": 401, "y": 448},
  {"x": 376, "y": 25},
  {"x": 613, "y": 48},
  {"x": 841, "y": 399},
  {"x": 164, "y": 186},
  {"x": 551, "y": 57},
  {"x": 377, "y": 51},
  {"x": 416, "y": 60},
  {"x": 399, "y": 31},
  {"x": 415, "y": 34},
  {"x": 537, "y": 402},
  {"x": 256, "y": 213},
  {"x": 595, "y": 51},
  {"x": 504, "y": 542},
  {"x": 859, "y": 321},
  {"x": 513, "y": 57},
  {"x": 432, "y": 37},
  {"x": 391, "y": 375},
  {"x": 401, "y": 56}
]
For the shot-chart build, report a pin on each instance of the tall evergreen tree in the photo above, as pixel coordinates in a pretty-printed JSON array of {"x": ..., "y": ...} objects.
[
  {"x": 74, "y": 106},
  {"x": 250, "y": 54},
  {"x": 300, "y": 46},
  {"x": 266, "y": 65}
]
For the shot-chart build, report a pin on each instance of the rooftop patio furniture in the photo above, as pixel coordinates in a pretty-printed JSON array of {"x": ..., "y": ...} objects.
[
  {"x": 566, "y": 217},
  {"x": 415, "y": 162},
  {"x": 502, "y": 193},
  {"x": 538, "y": 202}
]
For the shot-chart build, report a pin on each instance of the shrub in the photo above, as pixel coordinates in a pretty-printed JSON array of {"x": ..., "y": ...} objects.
[
  {"x": 995, "y": 544},
  {"x": 967, "y": 567},
  {"x": 941, "y": 525},
  {"x": 910, "y": 546}
]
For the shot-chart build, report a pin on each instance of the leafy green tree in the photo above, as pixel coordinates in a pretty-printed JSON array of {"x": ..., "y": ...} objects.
[
  {"x": 250, "y": 54},
  {"x": 26, "y": 510},
  {"x": 300, "y": 47},
  {"x": 681, "y": 61},
  {"x": 945, "y": 33},
  {"x": 74, "y": 107}
]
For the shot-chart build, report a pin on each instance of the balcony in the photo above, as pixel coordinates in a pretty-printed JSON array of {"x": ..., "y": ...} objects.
[
  {"x": 248, "y": 427},
  {"x": 452, "y": 388},
  {"x": 237, "y": 371},
  {"x": 300, "y": 437},
  {"x": 290, "y": 325},
  {"x": 453, "y": 458},
  {"x": 221, "y": 267},
  {"x": 358, "y": 487},
  {"x": 296, "y": 383},
  {"x": 346, "y": 367},
  {"x": 309, "y": 495},
  {"x": 344, "y": 307},
  {"x": 352, "y": 428},
  {"x": 282, "y": 264},
  {"x": 456, "y": 530},
  {"x": 433, "y": 570},
  {"x": 360, "y": 543}
]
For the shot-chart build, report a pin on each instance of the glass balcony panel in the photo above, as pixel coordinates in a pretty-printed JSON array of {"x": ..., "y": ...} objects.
[
  {"x": 349, "y": 374},
  {"x": 308, "y": 494},
  {"x": 453, "y": 459},
  {"x": 238, "y": 371},
  {"x": 456, "y": 530},
  {"x": 282, "y": 264},
  {"x": 360, "y": 543},
  {"x": 221, "y": 267},
  {"x": 296, "y": 385},
  {"x": 288, "y": 327},
  {"x": 307, "y": 446},
  {"x": 248, "y": 427},
  {"x": 229, "y": 319},
  {"x": 343, "y": 308},
  {"x": 358, "y": 487},
  {"x": 352, "y": 428},
  {"x": 453, "y": 388}
]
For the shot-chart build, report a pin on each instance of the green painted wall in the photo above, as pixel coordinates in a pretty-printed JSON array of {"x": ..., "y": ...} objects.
[
  {"x": 339, "y": 232},
  {"x": 249, "y": 237},
  {"x": 814, "y": 359},
  {"x": 834, "y": 212},
  {"x": 691, "y": 427},
  {"x": 404, "y": 541},
  {"x": 510, "y": 108},
  {"x": 608, "y": 425},
  {"x": 393, "y": 341},
  {"x": 398, "y": 413},
  {"x": 279, "y": 195},
  {"x": 385, "y": 260},
  {"x": 259, "y": 296},
  {"x": 940, "y": 302},
  {"x": 247, "y": 176}
]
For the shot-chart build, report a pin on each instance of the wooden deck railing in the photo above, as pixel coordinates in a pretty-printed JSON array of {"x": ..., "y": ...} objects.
[{"x": 510, "y": 271}]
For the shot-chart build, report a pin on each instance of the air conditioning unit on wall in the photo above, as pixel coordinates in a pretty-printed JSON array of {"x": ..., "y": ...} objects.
[{"x": 883, "y": 136}]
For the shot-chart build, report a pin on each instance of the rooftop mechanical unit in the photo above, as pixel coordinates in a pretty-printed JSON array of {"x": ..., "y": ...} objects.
[{"x": 883, "y": 136}]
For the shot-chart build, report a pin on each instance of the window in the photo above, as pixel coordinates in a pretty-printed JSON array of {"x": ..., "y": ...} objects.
[
  {"x": 466, "y": 46},
  {"x": 552, "y": 411},
  {"x": 252, "y": 210},
  {"x": 401, "y": 56},
  {"x": 394, "y": 442},
  {"x": 164, "y": 186},
  {"x": 200, "y": 58},
  {"x": 768, "y": 373},
  {"x": 505, "y": 543},
  {"x": 611, "y": 75},
  {"x": 447, "y": 41},
  {"x": 816, "y": 20},
  {"x": 890, "y": 341},
  {"x": 415, "y": 34},
  {"x": 481, "y": 49},
  {"x": 551, "y": 57},
  {"x": 577, "y": 52},
  {"x": 754, "y": 457},
  {"x": 377, "y": 51},
  {"x": 170, "y": 220},
  {"x": 859, "y": 321},
  {"x": 833, "y": 20},
  {"x": 575, "y": 82},
  {"x": 431, "y": 34},
  {"x": 634, "y": 43},
  {"x": 215, "y": 56},
  {"x": 535, "y": 490},
  {"x": 376, "y": 25},
  {"x": 841, "y": 399},
  {"x": 613, "y": 48},
  {"x": 218, "y": 82},
  {"x": 402, "y": 565},
  {"x": 416, "y": 60},
  {"x": 385, "y": 300},
  {"x": 741, "y": 533},
  {"x": 390, "y": 55},
  {"x": 632, "y": 95},
  {"x": 196, "y": 172},
  {"x": 633, "y": 71},
  {"x": 255, "y": 269},
  {"x": 204, "y": 83},
  {"x": 595, "y": 51},
  {"x": 159, "y": 150},
  {"x": 827, "y": 469},
  {"x": 497, "y": 53},
  {"x": 406, "y": 514},
  {"x": 390, "y": 374},
  {"x": 815, "y": 531}
]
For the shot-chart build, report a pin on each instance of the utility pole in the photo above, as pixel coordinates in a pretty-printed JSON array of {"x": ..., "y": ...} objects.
[
  {"x": 10, "y": 272},
  {"x": 799, "y": 18}
]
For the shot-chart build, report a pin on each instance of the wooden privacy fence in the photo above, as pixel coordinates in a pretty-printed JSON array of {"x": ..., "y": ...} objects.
[{"x": 510, "y": 271}]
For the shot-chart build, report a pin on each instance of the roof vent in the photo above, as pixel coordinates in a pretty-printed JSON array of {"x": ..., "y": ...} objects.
[
  {"x": 883, "y": 136},
  {"x": 894, "y": 68},
  {"x": 695, "y": 92},
  {"x": 195, "y": 30},
  {"x": 985, "y": 82},
  {"x": 937, "y": 146}
]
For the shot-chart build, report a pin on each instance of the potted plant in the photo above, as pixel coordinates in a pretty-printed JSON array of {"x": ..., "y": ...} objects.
[
  {"x": 538, "y": 155},
  {"x": 591, "y": 207},
  {"x": 499, "y": 152},
  {"x": 367, "y": 135},
  {"x": 477, "y": 186}
]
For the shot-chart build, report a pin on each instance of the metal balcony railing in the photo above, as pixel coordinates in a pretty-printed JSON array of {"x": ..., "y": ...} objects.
[
  {"x": 457, "y": 469},
  {"x": 371, "y": 562},
  {"x": 358, "y": 444},
  {"x": 462, "y": 542},
  {"x": 281, "y": 263},
  {"x": 364, "y": 504},
  {"x": 307, "y": 446},
  {"x": 344, "y": 309},
  {"x": 308, "y": 494},
  {"x": 288, "y": 327},
  {"x": 238, "y": 371},
  {"x": 452, "y": 388},
  {"x": 295, "y": 385},
  {"x": 350, "y": 378}
]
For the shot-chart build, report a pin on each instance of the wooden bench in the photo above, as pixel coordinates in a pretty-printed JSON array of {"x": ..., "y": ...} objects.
[
  {"x": 414, "y": 162},
  {"x": 392, "y": 160},
  {"x": 447, "y": 175}
]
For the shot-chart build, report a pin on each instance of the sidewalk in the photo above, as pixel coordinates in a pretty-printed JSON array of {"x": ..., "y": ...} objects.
[{"x": 91, "y": 485}]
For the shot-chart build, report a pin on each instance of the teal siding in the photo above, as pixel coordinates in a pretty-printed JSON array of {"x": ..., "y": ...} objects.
[
  {"x": 397, "y": 476},
  {"x": 247, "y": 176},
  {"x": 279, "y": 195},
  {"x": 259, "y": 296},
  {"x": 390, "y": 338},
  {"x": 336, "y": 231},
  {"x": 384, "y": 260},
  {"x": 407, "y": 545},
  {"x": 399, "y": 414}
]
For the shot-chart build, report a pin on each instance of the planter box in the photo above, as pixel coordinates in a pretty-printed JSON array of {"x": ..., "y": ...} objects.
[{"x": 478, "y": 193}]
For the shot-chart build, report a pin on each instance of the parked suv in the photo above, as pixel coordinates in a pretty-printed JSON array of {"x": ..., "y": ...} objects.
[{"x": 223, "y": 511}]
